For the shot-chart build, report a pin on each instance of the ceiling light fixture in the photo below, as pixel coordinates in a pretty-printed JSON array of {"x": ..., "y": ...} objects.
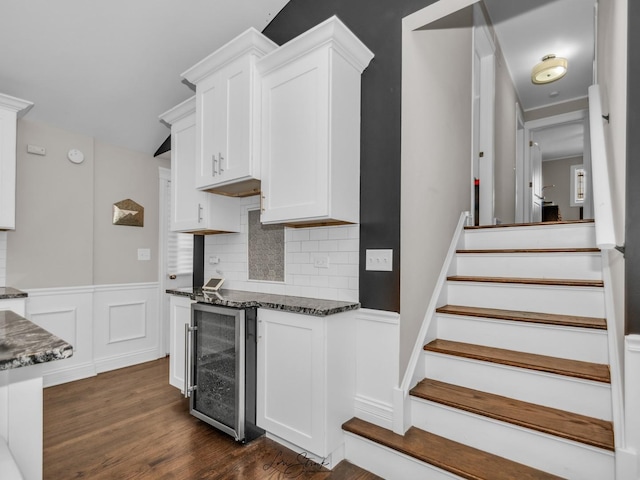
[{"x": 550, "y": 69}]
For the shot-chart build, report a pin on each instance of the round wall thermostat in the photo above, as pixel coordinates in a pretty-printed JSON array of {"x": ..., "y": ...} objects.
[{"x": 75, "y": 156}]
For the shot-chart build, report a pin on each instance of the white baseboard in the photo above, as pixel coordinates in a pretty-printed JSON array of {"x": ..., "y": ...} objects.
[
  {"x": 77, "y": 372},
  {"x": 126, "y": 360},
  {"x": 329, "y": 462},
  {"x": 374, "y": 411},
  {"x": 626, "y": 464}
]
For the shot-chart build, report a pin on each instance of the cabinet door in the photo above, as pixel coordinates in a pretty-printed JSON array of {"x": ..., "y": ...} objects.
[
  {"x": 224, "y": 128},
  {"x": 187, "y": 203},
  {"x": 7, "y": 169},
  {"x": 179, "y": 315},
  {"x": 291, "y": 378},
  {"x": 295, "y": 140}
]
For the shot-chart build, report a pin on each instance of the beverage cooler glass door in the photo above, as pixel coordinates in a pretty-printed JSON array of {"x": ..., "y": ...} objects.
[{"x": 217, "y": 367}]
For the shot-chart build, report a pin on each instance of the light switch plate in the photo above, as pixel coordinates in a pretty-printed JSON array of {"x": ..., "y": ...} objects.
[
  {"x": 379, "y": 260},
  {"x": 144, "y": 254}
]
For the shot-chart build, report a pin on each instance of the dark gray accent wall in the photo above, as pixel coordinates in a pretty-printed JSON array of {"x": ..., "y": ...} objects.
[
  {"x": 378, "y": 24},
  {"x": 632, "y": 235}
]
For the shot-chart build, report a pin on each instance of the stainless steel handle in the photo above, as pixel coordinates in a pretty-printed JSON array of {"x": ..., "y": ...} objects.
[
  {"x": 214, "y": 162},
  {"x": 187, "y": 360},
  {"x": 262, "y": 199},
  {"x": 199, "y": 213},
  {"x": 220, "y": 158}
]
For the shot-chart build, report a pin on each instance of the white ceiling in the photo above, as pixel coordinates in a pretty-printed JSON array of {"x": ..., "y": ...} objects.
[
  {"x": 530, "y": 29},
  {"x": 107, "y": 69}
]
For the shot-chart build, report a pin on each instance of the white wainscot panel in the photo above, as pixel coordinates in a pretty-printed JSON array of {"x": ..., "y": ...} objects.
[
  {"x": 126, "y": 325},
  {"x": 376, "y": 365},
  {"x": 127, "y": 321},
  {"x": 67, "y": 313}
]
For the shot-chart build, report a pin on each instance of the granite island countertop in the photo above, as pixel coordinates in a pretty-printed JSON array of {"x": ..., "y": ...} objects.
[
  {"x": 24, "y": 343},
  {"x": 287, "y": 303},
  {"x": 9, "y": 292}
]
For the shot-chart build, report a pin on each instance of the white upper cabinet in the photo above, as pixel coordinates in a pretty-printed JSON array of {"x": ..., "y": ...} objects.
[
  {"x": 225, "y": 82},
  {"x": 194, "y": 211},
  {"x": 10, "y": 108},
  {"x": 309, "y": 129}
]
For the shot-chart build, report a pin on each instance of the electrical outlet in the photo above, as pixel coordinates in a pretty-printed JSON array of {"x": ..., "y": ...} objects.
[
  {"x": 321, "y": 262},
  {"x": 379, "y": 260}
]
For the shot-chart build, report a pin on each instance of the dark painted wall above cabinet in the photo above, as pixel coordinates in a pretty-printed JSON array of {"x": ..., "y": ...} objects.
[{"x": 378, "y": 24}]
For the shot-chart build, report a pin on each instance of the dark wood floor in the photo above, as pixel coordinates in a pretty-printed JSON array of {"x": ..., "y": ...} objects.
[{"x": 131, "y": 424}]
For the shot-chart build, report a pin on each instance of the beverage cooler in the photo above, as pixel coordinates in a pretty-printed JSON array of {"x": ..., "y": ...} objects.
[{"x": 220, "y": 368}]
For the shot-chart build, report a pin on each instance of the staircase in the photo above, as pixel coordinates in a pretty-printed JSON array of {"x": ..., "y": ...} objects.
[{"x": 517, "y": 382}]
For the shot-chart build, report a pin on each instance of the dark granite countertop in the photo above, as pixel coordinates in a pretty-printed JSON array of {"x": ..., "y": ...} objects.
[
  {"x": 9, "y": 292},
  {"x": 241, "y": 299},
  {"x": 24, "y": 343}
]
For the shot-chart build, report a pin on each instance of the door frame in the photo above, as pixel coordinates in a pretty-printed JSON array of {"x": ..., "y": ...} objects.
[
  {"x": 530, "y": 128},
  {"x": 164, "y": 178},
  {"x": 483, "y": 84}
]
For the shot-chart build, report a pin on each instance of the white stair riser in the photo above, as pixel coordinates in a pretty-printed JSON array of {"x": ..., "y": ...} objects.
[
  {"x": 583, "y": 301},
  {"x": 583, "y": 266},
  {"x": 587, "y": 345},
  {"x": 561, "y": 457},
  {"x": 538, "y": 236},
  {"x": 557, "y": 391},
  {"x": 387, "y": 463}
]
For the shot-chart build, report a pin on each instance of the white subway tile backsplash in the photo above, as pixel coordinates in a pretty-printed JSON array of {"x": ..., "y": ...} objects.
[
  {"x": 302, "y": 246},
  {"x": 318, "y": 234}
]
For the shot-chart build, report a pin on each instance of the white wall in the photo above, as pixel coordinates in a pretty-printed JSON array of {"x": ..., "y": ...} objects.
[
  {"x": 3, "y": 259},
  {"x": 558, "y": 173},
  {"x": 52, "y": 244},
  {"x": 436, "y": 161},
  {"x": 69, "y": 206},
  {"x": 302, "y": 246}
]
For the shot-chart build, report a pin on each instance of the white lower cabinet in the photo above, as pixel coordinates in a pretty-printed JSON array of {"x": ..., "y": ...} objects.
[
  {"x": 179, "y": 315},
  {"x": 306, "y": 378}
]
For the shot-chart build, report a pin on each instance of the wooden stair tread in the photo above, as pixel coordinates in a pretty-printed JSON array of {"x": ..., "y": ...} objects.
[
  {"x": 572, "y": 426},
  {"x": 530, "y": 250},
  {"x": 560, "y": 366},
  {"x": 536, "y": 224},
  {"x": 530, "y": 317},
  {"x": 561, "y": 282},
  {"x": 454, "y": 457}
]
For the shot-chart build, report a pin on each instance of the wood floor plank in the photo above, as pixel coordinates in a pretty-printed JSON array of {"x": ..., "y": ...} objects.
[
  {"x": 572, "y": 426},
  {"x": 573, "y": 368},
  {"x": 536, "y": 224},
  {"x": 454, "y": 457},
  {"x": 530, "y": 317},
  {"x": 560, "y": 282},
  {"x": 130, "y": 423}
]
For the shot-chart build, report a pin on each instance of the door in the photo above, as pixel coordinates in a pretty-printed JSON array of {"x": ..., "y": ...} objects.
[{"x": 536, "y": 182}]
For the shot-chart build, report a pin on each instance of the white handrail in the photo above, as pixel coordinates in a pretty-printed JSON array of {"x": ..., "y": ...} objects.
[{"x": 602, "y": 204}]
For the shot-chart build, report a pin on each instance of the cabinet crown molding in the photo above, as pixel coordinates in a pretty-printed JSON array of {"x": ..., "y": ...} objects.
[
  {"x": 15, "y": 104},
  {"x": 180, "y": 111},
  {"x": 251, "y": 41},
  {"x": 331, "y": 33}
]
